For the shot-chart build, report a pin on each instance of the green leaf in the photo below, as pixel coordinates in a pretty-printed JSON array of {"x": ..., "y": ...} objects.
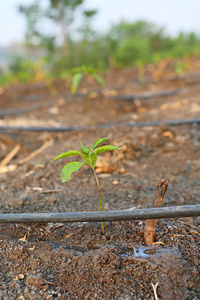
[
  {"x": 106, "y": 148},
  {"x": 76, "y": 70},
  {"x": 99, "y": 79},
  {"x": 94, "y": 158},
  {"x": 90, "y": 70},
  {"x": 87, "y": 159},
  {"x": 69, "y": 153},
  {"x": 75, "y": 82},
  {"x": 84, "y": 149},
  {"x": 67, "y": 170},
  {"x": 97, "y": 143}
]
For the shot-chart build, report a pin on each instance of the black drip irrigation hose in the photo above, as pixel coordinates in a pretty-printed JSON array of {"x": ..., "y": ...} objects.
[
  {"x": 193, "y": 122},
  {"x": 192, "y": 76},
  {"x": 41, "y": 97},
  {"x": 35, "y": 97},
  {"x": 16, "y": 111},
  {"x": 145, "y": 97},
  {"x": 119, "y": 215}
]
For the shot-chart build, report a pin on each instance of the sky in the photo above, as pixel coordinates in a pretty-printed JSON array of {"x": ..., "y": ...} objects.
[{"x": 174, "y": 15}]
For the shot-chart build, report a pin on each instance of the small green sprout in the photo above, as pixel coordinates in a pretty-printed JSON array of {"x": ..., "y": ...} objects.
[
  {"x": 180, "y": 69},
  {"x": 86, "y": 72},
  {"x": 80, "y": 72},
  {"x": 89, "y": 157}
]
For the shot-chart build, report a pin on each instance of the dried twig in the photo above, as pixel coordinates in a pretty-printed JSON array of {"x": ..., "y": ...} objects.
[
  {"x": 150, "y": 225},
  {"x": 185, "y": 223},
  {"x": 192, "y": 231},
  {"x": 10, "y": 155},
  {"x": 50, "y": 191},
  {"x": 131, "y": 246},
  {"x": 33, "y": 154},
  {"x": 52, "y": 283},
  {"x": 4, "y": 168},
  {"x": 23, "y": 239},
  {"x": 8, "y": 168},
  {"x": 154, "y": 290}
]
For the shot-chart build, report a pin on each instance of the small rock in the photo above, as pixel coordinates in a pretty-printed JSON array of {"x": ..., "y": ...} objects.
[
  {"x": 48, "y": 297},
  {"x": 16, "y": 202},
  {"x": 169, "y": 147},
  {"x": 36, "y": 282},
  {"x": 21, "y": 276},
  {"x": 180, "y": 139},
  {"x": 115, "y": 182},
  {"x": 154, "y": 139}
]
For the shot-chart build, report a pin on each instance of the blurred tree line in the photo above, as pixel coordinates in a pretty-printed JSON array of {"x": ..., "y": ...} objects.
[{"x": 56, "y": 43}]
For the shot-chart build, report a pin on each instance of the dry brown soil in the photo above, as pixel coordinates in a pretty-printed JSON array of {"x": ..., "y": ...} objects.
[{"x": 76, "y": 261}]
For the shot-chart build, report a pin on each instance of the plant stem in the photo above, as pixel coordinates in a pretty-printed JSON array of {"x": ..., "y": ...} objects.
[{"x": 98, "y": 186}]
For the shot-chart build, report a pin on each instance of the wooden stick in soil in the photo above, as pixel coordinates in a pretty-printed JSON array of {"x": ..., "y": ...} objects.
[{"x": 150, "y": 225}]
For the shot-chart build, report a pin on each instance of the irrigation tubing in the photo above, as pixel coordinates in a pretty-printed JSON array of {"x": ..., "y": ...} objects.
[
  {"x": 35, "y": 97},
  {"x": 193, "y": 122},
  {"x": 118, "y": 215},
  {"x": 192, "y": 76},
  {"x": 16, "y": 111},
  {"x": 145, "y": 96}
]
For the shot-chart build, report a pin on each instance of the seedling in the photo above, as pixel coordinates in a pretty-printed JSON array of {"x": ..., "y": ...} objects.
[
  {"x": 83, "y": 71},
  {"x": 89, "y": 157},
  {"x": 180, "y": 68},
  {"x": 86, "y": 72}
]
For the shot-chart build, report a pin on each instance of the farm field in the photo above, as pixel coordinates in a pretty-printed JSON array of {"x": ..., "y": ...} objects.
[{"x": 76, "y": 261}]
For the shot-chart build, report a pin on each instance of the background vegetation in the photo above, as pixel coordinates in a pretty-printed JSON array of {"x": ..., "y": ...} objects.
[{"x": 53, "y": 54}]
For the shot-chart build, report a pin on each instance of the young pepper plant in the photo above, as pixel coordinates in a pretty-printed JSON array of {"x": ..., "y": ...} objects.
[
  {"x": 86, "y": 72},
  {"x": 83, "y": 71},
  {"x": 89, "y": 157}
]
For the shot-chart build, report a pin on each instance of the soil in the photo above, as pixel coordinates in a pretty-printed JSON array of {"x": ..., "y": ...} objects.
[{"x": 76, "y": 261}]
